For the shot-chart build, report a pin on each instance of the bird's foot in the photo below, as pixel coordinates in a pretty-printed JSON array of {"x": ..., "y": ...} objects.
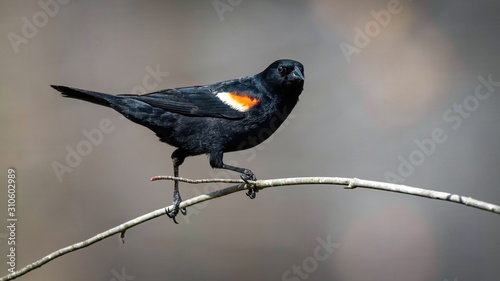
[
  {"x": 252, "y": 192},
  {"x": 246, "y": 177},
  {"x": 173, "y": 212}
]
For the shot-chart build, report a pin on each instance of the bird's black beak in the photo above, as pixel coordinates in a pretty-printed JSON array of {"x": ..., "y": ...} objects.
[{"x": 297, "y": 74}]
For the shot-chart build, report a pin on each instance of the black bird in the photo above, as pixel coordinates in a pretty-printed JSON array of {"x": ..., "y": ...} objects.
[{"x": 213, "y": 119}]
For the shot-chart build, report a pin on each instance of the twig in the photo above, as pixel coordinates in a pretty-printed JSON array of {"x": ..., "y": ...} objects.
[
  {"x": 156, "y": 178},
  {"x": 349, "y": 183}
]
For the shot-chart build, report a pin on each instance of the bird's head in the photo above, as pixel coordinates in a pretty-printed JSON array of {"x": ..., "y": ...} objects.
[{"x": 287, "y": 75}]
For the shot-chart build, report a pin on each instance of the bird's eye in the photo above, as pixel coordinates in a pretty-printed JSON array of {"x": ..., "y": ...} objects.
[{"x": 281, "y": 69}]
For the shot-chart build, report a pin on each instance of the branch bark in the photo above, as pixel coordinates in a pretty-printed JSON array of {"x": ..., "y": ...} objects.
[{"x": 349, "y": 183}]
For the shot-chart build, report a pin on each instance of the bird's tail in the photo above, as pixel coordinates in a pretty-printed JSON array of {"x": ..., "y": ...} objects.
[{"x": 93, "y": 97}]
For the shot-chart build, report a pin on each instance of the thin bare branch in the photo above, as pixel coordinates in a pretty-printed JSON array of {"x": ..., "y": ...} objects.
[
  {"x": 156, "y": 178},
  {"x": 349, "y": 183}
]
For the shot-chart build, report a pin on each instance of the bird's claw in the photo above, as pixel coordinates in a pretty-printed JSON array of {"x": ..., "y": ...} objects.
[
  {"x": 252, "y": 192},
  {"x": 173, "y": 212},
  {"x": 246, "y": 177}
]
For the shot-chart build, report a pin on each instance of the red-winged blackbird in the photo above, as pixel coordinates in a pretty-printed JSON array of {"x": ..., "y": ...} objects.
[{"x": 213, "y": 119}]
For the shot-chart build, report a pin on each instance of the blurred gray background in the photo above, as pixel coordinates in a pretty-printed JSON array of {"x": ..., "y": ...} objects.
[{"x": 361, "y": 114}]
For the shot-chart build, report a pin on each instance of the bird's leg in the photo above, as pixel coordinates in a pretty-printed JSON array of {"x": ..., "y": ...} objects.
[
  {"x": 177, "y": 160},
  {"x": 246, "y": 175}
]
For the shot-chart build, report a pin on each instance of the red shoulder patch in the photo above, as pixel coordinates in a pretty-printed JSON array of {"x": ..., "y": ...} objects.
[
  {"x": 243, "y": 99},
  {"x": 239, "y": 101}
]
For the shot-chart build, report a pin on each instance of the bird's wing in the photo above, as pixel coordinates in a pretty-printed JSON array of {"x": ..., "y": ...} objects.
[{"x": 212, "y": 101}]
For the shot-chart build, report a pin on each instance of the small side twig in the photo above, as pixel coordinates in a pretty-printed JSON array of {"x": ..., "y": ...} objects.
[{"x": 156, "y": 178}]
